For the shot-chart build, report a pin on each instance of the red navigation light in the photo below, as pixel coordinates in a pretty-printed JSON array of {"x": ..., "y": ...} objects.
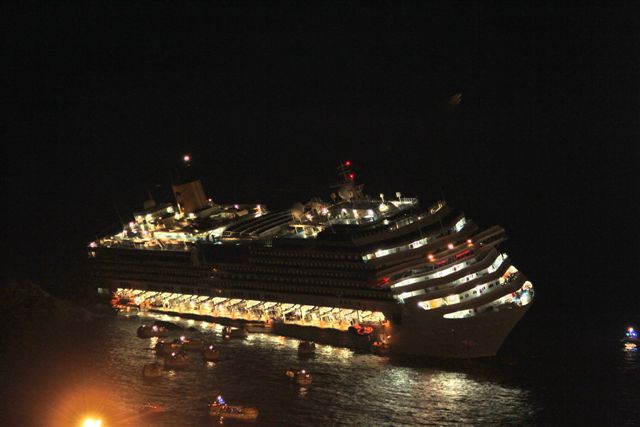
[
  {"x": 347, "y": 163},
  {"x": 351, "y": 176}
]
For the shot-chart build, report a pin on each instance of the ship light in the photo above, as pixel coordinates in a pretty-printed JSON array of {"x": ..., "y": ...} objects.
[
  {"x": 186, "y": 158},
  {"x": 450, "y": 246},
  {"x": 347, "y": 163}
]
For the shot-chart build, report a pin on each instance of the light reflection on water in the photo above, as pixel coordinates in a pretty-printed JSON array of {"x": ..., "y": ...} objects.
[
  {"x": 66, "y": 371},
  {"x": 348, "y": 388}
]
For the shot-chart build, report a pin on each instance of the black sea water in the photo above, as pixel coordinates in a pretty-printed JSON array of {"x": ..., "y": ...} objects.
[{"x": 94, "y": 369}]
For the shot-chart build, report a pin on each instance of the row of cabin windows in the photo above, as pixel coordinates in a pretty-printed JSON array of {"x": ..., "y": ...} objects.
[
  {"x": 289, "y": 262},
  {"x": 297, "y": 279},
  {"x": 303, "y": 272},
  {"x": 144, "y": 258},
  {"x": 142, "y": 269},
  {"x": 150, "y": 277},
  {"x": 302, "y": 254},
  {"x": 306, "y": 290}
]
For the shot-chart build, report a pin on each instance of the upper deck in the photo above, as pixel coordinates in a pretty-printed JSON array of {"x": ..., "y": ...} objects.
[{"x": 167, "y": 228}]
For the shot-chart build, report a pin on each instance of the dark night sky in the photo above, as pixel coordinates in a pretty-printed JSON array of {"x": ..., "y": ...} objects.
[{"x": 102, "y": 99}]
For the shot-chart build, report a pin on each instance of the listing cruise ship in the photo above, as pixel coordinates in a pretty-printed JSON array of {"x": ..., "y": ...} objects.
[{"x": 356, "y": 271}]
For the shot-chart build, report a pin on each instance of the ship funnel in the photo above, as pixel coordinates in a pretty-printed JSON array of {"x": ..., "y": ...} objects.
[
  {"x": 297, "y": 210},
  {"x": 187, "y": 189}
]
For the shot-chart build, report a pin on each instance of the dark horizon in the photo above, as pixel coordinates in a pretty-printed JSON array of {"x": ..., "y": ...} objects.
[{"x": 104, "y": 99}]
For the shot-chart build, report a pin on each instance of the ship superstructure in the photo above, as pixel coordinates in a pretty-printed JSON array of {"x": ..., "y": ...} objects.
[{"x": 351, "y": 271}]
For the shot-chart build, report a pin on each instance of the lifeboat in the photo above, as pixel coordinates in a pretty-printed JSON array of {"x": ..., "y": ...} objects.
[
  {"x": 259, "y": 327},
  {"x": 176, "y": 360},
  {"x": 191, "y": 344},
  {"x": 219, "y": 409},
  {"x": 380, "y": 347},
  {"x": 360, "y": 329},
  {"x": 164, "y": 348},
  {"x": 306, "y": 348},
  {"x": 128, "y": 311},
  {"x": 152, "y": 371},
  {"x": 230, "y": 332},
  {"x": 301, "y": 377},
  {"x": 145, "y": 331},
  {"x": 210, "y": 353}
]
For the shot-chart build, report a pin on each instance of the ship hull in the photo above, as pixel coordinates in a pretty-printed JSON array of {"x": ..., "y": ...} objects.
[{"x": 473, "y": 337}]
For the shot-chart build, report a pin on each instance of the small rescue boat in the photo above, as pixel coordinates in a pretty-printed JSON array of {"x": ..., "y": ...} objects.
[
  {"x": 301, "y": 377},
  {"x": 630, "y": 339},
  {"x": 145, "y": 331},
  {"x": 176, "y": 360},
  {"x": 306, "y": 348},
  {"x": 164, "y": 348},
  {"x": 152, "y": 371},
  {"x": 210, "y": 353},
  {"x": 259, "y": 327},
  {"x": 191, "y": 344},
  {"x": 219, "y": 408},
  {"x": 231, "y": 332}
]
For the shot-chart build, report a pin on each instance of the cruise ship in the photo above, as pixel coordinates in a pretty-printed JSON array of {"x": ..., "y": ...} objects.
[{"x": 356, "y": 270}]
